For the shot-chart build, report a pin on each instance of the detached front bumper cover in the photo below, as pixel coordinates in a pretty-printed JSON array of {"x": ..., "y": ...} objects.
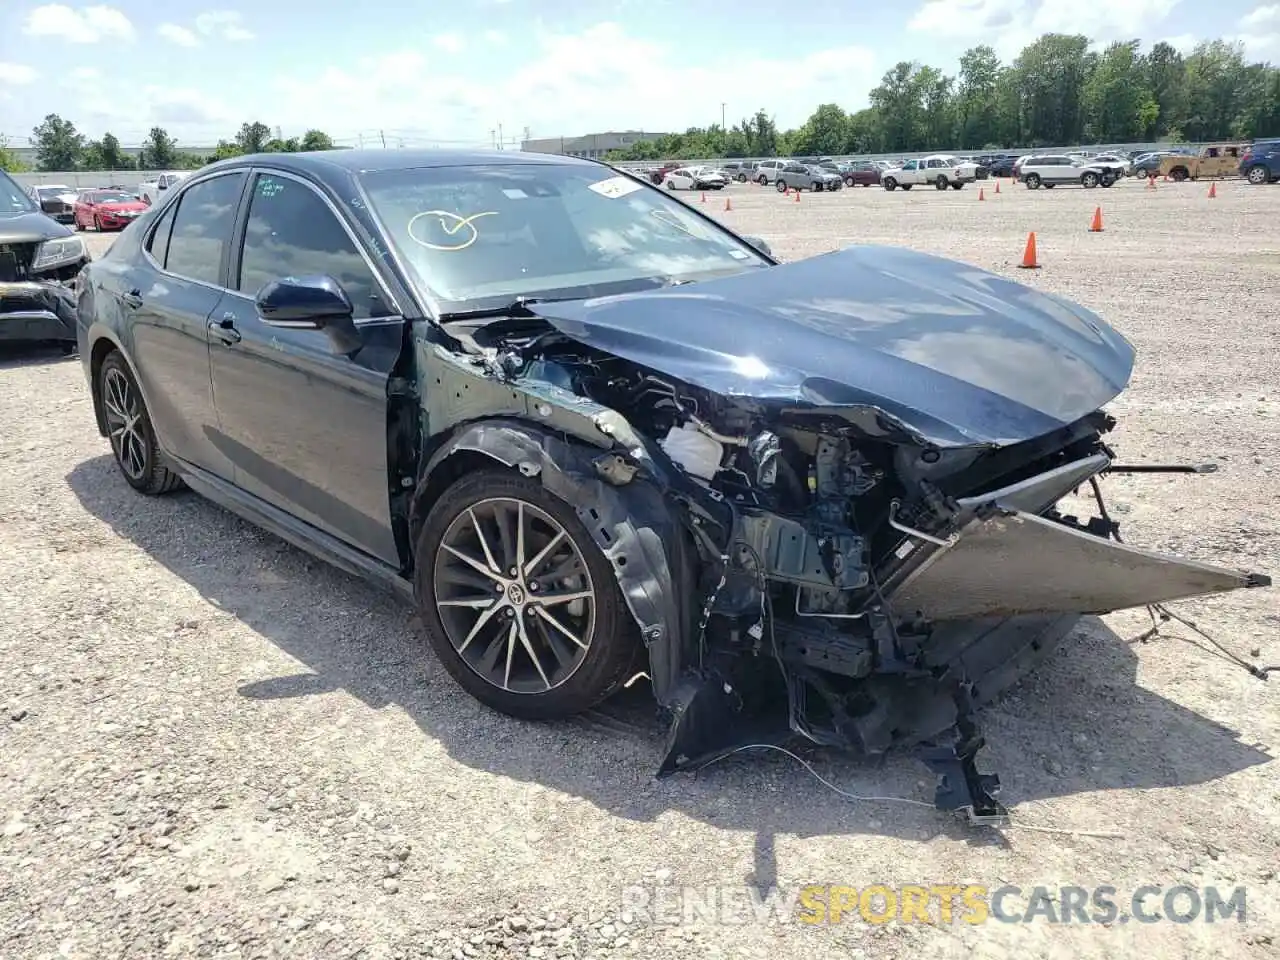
[{"x": 37, "y": 310}]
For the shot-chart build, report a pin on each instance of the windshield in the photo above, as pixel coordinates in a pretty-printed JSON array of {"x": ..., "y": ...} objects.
[
  {"x": 12, "y": 197},
  {"x": 112, "y": 196},
  {"x": 496, "y": 232}
]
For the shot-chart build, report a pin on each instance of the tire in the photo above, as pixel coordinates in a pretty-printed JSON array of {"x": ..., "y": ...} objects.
[
  {"x": 1050, "y": 186},
  {"x": 890, "y": 184},
  {"x": 1178, "y": 174},
  {"x": 79, "y": 226},
  {"x": 762, "y": 180},
  {"x": 1108, "y": 183},
  {"x": 1089, "y": 179},
  {"x": 907, "y": 186},
  {"x": 136, "y": 452},
  {"x": 780, "y": 185},
  {"x": 97, "y": 223},
  {"x": 957, "y": 186},
  {"x": 1258, "y": 175},
  {"x": 741, "y": 178},
  {"x": 1033, "y": 181},
  {"x": 941, "y": 182},
  {"x": 519, "y": 684},
  {"x": 849, "y": 182},
  {"x": 671, "y": 184}
]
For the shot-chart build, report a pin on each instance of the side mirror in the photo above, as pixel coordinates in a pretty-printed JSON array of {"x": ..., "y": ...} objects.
[
  {"x": 310, "y": 303},
  {"x": 760, "y": 245}
]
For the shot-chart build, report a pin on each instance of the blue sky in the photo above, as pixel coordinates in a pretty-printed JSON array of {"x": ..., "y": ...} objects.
[{"x": 442, "y": 75}]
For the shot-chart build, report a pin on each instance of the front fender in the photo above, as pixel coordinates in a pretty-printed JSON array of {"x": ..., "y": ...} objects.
[{"x": 629, "y": 519}]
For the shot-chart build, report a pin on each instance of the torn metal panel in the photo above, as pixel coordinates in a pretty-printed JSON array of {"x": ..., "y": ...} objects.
[
  {"x": 1010, "y": 562},
  {"x": 1038, "y": 493}
]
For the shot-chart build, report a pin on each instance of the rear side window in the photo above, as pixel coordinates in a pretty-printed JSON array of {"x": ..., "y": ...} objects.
[
  {"x": 202, "y": 228},
  {"x": 293, "y": 232},
  {"x": 158, "y": 245}
]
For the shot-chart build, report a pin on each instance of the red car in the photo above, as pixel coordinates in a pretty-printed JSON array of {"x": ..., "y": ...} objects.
[{"x": 107, "y": 209}]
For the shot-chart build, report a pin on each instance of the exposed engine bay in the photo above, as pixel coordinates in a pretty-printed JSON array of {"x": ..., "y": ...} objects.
[{"x": 852, "y": 583}]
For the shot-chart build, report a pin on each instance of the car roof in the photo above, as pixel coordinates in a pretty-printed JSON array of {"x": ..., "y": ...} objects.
[{"x": 377, "y": 161}]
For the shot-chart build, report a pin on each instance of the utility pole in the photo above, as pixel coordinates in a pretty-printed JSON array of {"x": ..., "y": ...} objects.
[
  {"x": 501, "y": 142},
  {"x": 383, "y": 137},
  {"x": 360, "y": 140},
  {"x": 493, "y": 138},
  {"x": 722, "y": 106}
]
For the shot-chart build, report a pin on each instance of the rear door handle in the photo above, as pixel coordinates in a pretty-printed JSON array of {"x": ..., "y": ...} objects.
[
  {"x": 133, "y": 298},
  {"x": 225, "y": 329}
]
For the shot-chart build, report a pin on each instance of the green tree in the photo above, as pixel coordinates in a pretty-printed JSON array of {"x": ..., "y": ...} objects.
[
  {"x": 9, "y": 161},
  {"x": 59, "y": 146},
  {"x": 897, "y": 100},
  {"x": 105, "y": 154},
  {"x": 1117, "y": 103},
  {"x": 253, "y": 137},
  {"x": 978, "y": 99},
  {"x": 825, "y": 133},
  {"x": 315, "y": 140},
  {"x": 1167, "y": 81},
  {"x": 159, "y": 151}
]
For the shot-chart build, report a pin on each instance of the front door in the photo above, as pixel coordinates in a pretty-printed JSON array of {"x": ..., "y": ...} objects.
[{"x": 306, "y": 426}]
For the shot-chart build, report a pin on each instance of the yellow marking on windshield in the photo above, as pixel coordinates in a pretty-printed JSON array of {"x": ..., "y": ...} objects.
[{"x": 451, "y": 223}]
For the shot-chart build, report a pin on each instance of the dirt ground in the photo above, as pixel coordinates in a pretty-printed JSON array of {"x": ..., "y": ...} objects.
[{"x": 212, "y": 745}]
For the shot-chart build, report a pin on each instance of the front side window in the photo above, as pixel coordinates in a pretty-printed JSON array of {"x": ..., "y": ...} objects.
[
  {"x": 292, "y": 232},
  {"x": 474, "y": 233},
  {"x": 202, "y": 228}
]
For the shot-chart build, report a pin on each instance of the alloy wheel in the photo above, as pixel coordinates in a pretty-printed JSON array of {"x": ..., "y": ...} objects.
[
  {"x": 514, "y": 595},
  {"x": 123, "y": 411}
]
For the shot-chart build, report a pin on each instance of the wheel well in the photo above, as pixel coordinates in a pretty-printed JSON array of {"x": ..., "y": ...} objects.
[
  {"x": 446, "y": 473},
  {"x": 101, "y": 350}
]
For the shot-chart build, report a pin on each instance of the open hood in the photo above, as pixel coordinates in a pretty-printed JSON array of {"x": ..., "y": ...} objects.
[
  {"x": 30, "y": 227},
  {"x": 959, "y": 356}
]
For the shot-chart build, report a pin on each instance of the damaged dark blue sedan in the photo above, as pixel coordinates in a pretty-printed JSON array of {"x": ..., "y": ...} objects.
[{"x": 594, "y": 434}]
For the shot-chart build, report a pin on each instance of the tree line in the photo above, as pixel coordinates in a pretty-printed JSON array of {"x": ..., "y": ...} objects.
[
  {"x": 1056, "y": 92},
  {"x": 60, "y": 146}
]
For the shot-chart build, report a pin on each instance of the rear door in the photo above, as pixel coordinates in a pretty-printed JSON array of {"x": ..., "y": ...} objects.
[
  {"x": 169, "y": 301},
  {"x": 306, "y": 426}
]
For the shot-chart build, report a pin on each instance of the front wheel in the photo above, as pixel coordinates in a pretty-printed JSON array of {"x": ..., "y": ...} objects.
[
  {"x": 1089, "y": 179},
  {"x": 133, "y": 439},
  {"x": 518, "y": 602},
  {"x": 741, "y": 178},
  {"x": 1259, "y": 175},
  {"x": 941, "y": 183},
  {"x": 781, "y": 186},
  {"x": 890, "y": 183},
  {"x": 1033, "y": 181},
  {"x": 849, "y": 181}
]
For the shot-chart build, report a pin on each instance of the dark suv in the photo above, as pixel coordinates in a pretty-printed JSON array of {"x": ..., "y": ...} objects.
[
  {"x": 39, "y": 261},
  {"x": 1261, "y": 162}
]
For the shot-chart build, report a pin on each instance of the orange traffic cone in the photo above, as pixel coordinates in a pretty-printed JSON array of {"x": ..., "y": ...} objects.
[
  {"x": 1029, "y": 255},
  {"x": 1151, "y": 182},
  {"x": 1096, "y": 226},
  {"x": 704, "y": 198},
  {"x": 727, "y": 204},
  {"x": 980, "y": 194},
  {"x": 1213, "y": 190},
  {"x": 997, "y": 186},
  {"x": 797, "y": 194}
]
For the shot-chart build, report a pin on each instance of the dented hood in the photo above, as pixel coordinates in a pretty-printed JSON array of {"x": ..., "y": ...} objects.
[{"x": 957, "y": 355}]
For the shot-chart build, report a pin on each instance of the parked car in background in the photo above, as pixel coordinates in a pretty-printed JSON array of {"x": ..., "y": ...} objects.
[
  {"x": 107, "y": 209},
  {"x": 151, "y": 191},
  {"x": 1146, "y": 164},
  {"x": 694, "y": 178},
  {"x": 1120, "y": 166},
  {"x": 1260, "y": 163},
  {"x": 1213, "y": 160},
  {"x": 940, "y": 170},
  {"x": 40, "y": 259},
  {"x": 1054, "y": 169},
  {"x": 741, "y": 170},
  {"x": 56, "y": 200},
  {"x": 767, "y": 171},
  {"x": 862, "y": 173},
  {"x": 801, "y": 176}
]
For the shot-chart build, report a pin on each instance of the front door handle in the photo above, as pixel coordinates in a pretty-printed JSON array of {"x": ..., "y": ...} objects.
[
  {"x": 225, "y": 329},
  {"x": 133, "y": 298}
]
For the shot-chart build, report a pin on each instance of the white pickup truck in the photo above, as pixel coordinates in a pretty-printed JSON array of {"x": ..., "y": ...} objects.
[
  {"x": 152, "y": 190},
  {"x": 941, "y": 170}
]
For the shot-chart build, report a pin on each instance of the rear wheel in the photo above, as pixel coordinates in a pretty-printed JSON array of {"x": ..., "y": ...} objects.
[
  {"x": 133, "y": 439},
  {"x": 907, "y": 186},
  {"x": 1259, "y": 174},
  {"x": 941, "y": 182},
  {"x": 1178, "y": 174},
  {"x": 956, "y": 186},
  {"x": 518, "y": 603}
]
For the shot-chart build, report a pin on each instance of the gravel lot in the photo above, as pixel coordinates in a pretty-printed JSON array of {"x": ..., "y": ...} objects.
[{"x": 212, "y": 745}]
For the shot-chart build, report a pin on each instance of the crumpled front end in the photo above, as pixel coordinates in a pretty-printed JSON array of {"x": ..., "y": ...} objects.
[
  {"x": 36, "y": 304},
  {"x": 812, "y": 571}
]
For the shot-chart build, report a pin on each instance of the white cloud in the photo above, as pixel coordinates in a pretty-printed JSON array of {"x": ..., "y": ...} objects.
[
  {"x": 1262, "y": 18},
  {"x": 1184, "y": 43},
  {"x": 85, "y": 25},
  {"x": 223, "y": 25},
  {"x": 1009, "y": 25},
  {"x": 600, "y": 79},
  {"x": 448, "y": 42},
  {"x": 16, "y": 74},
  {"x": 1261, "y": 36},
  {"x": 495, "y": 38},
  {"x": 178, "y": 35}
]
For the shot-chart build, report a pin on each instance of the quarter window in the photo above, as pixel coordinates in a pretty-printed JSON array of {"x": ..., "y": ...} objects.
[
  {"x": 292, "y": 232},
  {"x": 158, "y": 245},
  {"x": 202, "y": 228}
]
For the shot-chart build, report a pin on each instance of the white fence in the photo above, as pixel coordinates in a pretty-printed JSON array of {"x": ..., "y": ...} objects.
[{"x": 84, "y": 179}]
